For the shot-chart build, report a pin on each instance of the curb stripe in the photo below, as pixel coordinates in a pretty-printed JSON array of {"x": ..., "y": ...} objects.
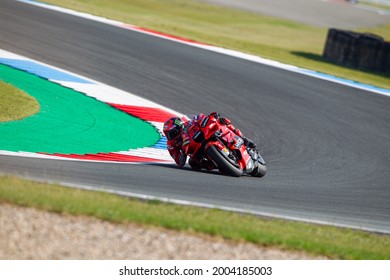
[
  {"x": 114, "y": 157},
  {"x": 139, "y": 107},
  {"x": 42, "y": 71},
  {"x": 145, "y": 113},
  {"x": 161, "y": 34}
]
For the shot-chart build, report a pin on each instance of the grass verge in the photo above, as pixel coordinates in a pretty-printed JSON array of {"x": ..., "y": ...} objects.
[
  {"x": 375, "y": 5},
  {"x": 15, "y": 104},
  {"x": 269, "y": 37},
  {"x": 336, "y": 243}
]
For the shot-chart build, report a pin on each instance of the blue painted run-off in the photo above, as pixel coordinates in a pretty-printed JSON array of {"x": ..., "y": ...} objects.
[
  {"x": 344, "y": 81},
  {"x": 43, "y": 71},
  {"x": 161, "y": 144}
]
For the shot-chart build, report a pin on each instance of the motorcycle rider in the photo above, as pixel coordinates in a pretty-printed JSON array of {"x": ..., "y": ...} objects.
[{"x": 175, "y": 130}]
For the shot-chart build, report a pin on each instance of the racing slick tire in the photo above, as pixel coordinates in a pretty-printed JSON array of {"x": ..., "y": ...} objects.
[
  {"x": 225, "y": 164},
  {"x": 260, "y": 170}
]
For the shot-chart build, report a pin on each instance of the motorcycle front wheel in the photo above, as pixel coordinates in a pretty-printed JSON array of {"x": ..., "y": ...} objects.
[
  {"x": 260, "y": 170},
  {"x": 225, "y": 164}
]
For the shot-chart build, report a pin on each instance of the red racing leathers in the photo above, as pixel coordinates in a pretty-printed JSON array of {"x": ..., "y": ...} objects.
[{"x": 175, "y": 145}]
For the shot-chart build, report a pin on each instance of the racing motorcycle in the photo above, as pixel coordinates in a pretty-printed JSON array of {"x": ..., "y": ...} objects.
[{"x": 213, "y": 142}]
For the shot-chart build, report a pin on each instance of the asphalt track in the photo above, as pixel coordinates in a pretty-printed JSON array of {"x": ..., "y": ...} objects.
[{"x": 327, "y": 146}]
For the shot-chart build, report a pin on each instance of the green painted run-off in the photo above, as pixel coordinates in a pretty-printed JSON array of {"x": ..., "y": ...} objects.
[{"x": 70, "y": 122}]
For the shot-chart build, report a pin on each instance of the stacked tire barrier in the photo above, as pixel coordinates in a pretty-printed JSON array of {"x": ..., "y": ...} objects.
[{"x": 358, "y": 50}]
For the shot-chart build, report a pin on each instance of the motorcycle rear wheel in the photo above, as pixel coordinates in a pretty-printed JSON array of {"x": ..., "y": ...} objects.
[{"x": 223, "y": 162}]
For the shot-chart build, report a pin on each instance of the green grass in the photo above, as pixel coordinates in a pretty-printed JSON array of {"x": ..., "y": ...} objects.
[
  {"x": 375, "y": 5},
  {"x": 273, "y": 38},
  {"x": 333, "y": 242},
  {"x": 15, "y": 104}
]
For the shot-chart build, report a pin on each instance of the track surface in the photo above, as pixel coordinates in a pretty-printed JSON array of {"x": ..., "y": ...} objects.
[{"x": 327, "y": 146}]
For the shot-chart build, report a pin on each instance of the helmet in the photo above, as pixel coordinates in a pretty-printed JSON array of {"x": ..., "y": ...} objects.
[{"x": 173, "y": 128}]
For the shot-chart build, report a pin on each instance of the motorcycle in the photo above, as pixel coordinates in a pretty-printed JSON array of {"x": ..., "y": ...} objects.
[{"x": 208, "y": 140}]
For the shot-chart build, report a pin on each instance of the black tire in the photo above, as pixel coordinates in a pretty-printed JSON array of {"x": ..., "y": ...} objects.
[
  {"x": 195, "y": 165},
  {"x": 224, "y": 164},
  {"x": 260, "y": 170}
]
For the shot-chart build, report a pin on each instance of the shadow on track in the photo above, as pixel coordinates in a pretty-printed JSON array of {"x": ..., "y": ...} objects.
[{"x": 204, "y": 171}]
